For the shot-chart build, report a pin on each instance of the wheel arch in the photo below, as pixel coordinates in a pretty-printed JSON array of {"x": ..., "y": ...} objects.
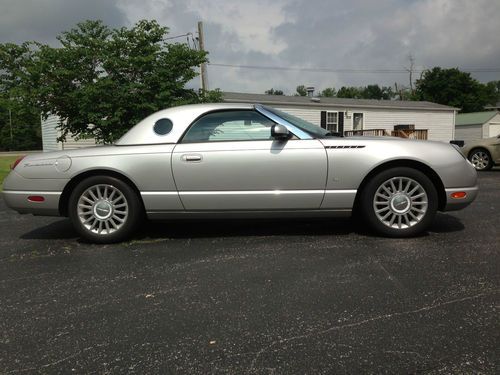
[
  {"x": 475, "y": 148},
  {"x": 64, "y": 200},
  {"x": 408, "y": 163}
]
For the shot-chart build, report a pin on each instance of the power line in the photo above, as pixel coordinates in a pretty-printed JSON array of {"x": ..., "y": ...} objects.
[
  {"x": 178, "y": 36},
  {"x": 334, "y": 70}
]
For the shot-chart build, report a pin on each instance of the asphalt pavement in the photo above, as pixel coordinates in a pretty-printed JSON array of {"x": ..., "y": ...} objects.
[{"x": 262, "y": 297}]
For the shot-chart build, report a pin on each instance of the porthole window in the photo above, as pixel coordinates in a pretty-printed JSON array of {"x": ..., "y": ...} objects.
[{"x": 163, "y": 126}]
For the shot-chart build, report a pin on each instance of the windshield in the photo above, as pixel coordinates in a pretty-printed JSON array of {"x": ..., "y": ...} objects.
[{"x": 314, "y": 130}]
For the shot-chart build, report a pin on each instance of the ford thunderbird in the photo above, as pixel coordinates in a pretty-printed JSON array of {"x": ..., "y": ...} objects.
[{"x": 241, "y": 161}]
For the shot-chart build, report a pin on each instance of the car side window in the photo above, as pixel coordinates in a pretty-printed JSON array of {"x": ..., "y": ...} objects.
[{"x": 238, "y": 125}]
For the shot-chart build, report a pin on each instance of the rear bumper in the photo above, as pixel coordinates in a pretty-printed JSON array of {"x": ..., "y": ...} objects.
[
  {"x": 18, "y": 201},
  {"x": 453, "y": 204}
]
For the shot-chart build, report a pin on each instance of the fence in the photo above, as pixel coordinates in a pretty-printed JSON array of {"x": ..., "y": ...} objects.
[{"x": 404, "y": 133}]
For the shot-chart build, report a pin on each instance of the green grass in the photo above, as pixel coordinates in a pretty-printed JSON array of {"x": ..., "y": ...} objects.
[{"x": 5, "y": 163}]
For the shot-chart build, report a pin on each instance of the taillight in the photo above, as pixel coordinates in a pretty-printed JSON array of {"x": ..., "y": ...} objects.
[
  {"x": 18, "y": 160},
  {"x": 459, "y": 195},
  {"x": 36, "y": 198}
]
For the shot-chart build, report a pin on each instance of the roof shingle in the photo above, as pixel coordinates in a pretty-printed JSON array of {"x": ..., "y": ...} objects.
[
  {"x": 332, "y": 102},
  {"x": 474, "y": 118}
]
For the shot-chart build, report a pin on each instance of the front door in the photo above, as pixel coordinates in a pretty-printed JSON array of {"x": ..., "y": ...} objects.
[
  {"x": 227, "y": 160},
  {"x": 357, "y": 121}
]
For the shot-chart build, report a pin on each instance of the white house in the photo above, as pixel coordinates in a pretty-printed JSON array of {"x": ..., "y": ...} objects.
[
  {"x": 50, "y": 134},
  {"x": 423, "y": 120},
  {"x": 345, "y": 115},
  {"x": 477, "y": 125}
]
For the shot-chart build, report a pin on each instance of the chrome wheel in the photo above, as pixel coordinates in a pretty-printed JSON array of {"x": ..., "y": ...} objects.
[
  {"x": 102, "y": 209},
  {"x": 400, "y": 202},
  {"x": 480, "y": 159}
]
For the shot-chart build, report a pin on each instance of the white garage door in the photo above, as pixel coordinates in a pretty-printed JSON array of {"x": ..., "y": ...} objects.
[
  {"x": 468, "y": 132},
  {"x": 494, "y": 130}
]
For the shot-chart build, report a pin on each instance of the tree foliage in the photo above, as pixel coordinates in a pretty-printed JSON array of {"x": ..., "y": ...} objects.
[
  {"x": 19, "y": 114},
  {"x": 455, "y": 88},
  {"x": 112, "y": 78},
  {"x": 272, "y": 91},
  {"x": 301, "y": 90},
  {"x": 329, "y": 92},
  {"x": 102, "y": 81},
  {"x": 367, "y": 92}
]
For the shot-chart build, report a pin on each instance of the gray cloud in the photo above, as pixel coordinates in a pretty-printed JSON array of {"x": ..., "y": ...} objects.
[
  {"x": 381, "y": 34},
  {"x": 43, "y": 20},
  {"x": 359, "y": 34}
]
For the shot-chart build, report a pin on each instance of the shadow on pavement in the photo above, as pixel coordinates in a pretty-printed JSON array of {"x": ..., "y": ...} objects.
[
  {"x": 59, "y": 230},
  {"x": 444, "y": 223},
  {"x": 246, "y": 227},
  {"x": 62, "y": 229}
]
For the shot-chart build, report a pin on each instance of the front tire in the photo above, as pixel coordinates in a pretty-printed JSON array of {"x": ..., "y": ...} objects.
[
  {"x": 481, "y": 159},
  {"x": 104, "y": 209},
  {"x": 399, "y": 202}
]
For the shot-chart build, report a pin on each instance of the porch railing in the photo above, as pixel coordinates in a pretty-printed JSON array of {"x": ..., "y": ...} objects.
[
  {"x": 367, "y": 133},
  {"x": 406, "y": 133},
  {"x": 411, "y": 133}
]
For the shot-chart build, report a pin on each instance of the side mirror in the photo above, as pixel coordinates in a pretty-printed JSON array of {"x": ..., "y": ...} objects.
[{"x": 280, "y": 132}]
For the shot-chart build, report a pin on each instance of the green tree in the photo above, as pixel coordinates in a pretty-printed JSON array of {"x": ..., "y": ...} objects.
[
  {"x": 19, "y": 113},
  {"x": 349, "y": 92},
  {"x": 493, "y": 91},
  {"x": 107, "y": 78},
  {"x": 454, "y": 88},
  {"x": 301, "y": 91},
  {"x": 329, "y": 92},
  {"x": 376, "y": 92},
  {"x": 272, "y": 91},
  {"x": 112, "y": 78}
]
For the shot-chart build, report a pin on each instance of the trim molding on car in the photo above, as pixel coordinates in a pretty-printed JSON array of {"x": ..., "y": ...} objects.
[
  {"x": 337, "y": 147},
  {"x": 159, "y": 193},
  {"x": 249, "y": 192},
  {"x": 32, "y": 192}
]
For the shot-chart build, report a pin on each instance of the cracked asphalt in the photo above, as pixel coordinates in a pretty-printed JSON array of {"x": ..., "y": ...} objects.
[{"x": 263, "y": 297}]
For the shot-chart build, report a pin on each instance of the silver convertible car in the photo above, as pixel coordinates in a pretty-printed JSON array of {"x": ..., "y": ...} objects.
[{"x": 241, "y": 160}]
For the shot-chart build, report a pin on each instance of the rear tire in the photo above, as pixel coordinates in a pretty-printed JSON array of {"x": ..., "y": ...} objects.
[
  {"x": 399, "y": 202},
  {"x": 481, "y": 159},
  {"x": 104, "y": 209}
]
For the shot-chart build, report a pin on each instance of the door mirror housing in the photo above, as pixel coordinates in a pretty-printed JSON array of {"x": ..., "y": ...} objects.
[{"x": 280, "y": 132}]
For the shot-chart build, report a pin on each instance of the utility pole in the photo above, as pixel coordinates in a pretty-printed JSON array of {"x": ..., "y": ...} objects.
[
  {"x": 10, "y": 123},
  {"x": 203, "y": 66},
  {"x": 411, "y": 70}
]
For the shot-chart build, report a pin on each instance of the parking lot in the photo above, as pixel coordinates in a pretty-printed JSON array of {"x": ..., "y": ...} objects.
[{"x": 266, "y": 297}]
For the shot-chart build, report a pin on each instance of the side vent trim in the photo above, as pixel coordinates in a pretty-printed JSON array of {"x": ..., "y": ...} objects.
[{"x": 337, "y": 147}]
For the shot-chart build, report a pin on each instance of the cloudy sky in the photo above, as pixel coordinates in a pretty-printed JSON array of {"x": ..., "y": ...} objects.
[{"x": 364, "y": 36}]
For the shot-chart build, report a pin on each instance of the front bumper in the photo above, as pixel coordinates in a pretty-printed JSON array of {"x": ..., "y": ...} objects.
[{"x": 453, "y": 204}]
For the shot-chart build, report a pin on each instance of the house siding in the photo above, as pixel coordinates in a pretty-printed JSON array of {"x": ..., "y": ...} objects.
[
  {"x": 494, "y": 126},
  {"x": 469, "y": 132},
  {"x": 71, "y": 143},
  {"x": 50, "y": 133},
  {"x": 440, "y": 124},
  {"x": 309, "y": 114}
]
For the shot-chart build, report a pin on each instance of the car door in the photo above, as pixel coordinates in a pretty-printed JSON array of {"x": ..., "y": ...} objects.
[
  {"x": 227, "y": 160},
  {"x": 496, "y": 150}
]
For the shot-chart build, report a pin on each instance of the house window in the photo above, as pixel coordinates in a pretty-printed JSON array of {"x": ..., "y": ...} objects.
[
  {"x": 357, "y": 121},
  {"x": 332, "y": 121}
]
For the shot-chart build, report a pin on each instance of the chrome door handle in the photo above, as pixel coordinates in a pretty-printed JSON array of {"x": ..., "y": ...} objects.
[{"x": 192, "y": 158}]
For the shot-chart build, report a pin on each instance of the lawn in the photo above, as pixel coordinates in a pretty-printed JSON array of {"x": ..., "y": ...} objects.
[{"x": 5, "y": 163}]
